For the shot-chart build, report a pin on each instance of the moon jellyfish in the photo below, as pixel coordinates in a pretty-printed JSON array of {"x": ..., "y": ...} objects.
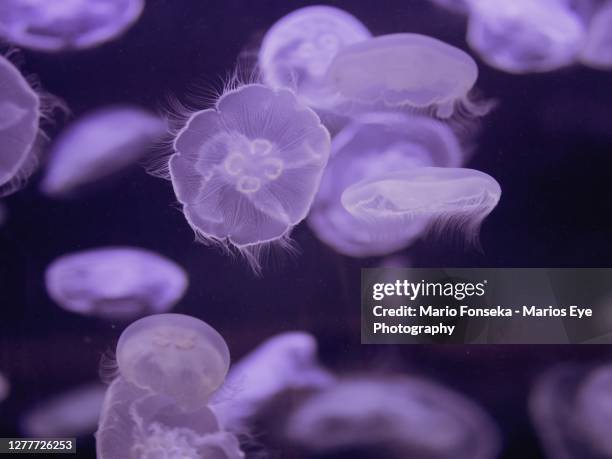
[
  {"x": 524, "y": 36},
  {"x": 372, "y": 145},
  {"x": 298, "y": 49},
  {"x": 597, "y": 50},
  {"x": 283, "y": 362},
  {"x": 115, "y": 282},
  {"x": 5, "y": 387},
  {"x": 98, "y": 145},
  {"x": 66, "y": 24},
  {"x": 73, "y": 413},
  {"x": 178, "y": 356},
  {"x": 445, "y": 197},
  {"x": 405, "y": 417},
  {"x": 137, "y": 424},
  {"x": 408, "y": 71},
  {"x": 19, "y": 128},
  {"x": 247, "y": 171},
  {"x": 572, "y": 411}
]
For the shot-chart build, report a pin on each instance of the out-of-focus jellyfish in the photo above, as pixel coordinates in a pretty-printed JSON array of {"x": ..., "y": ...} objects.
[
  {"x": 373, "y": 145},
  {"x": 115, "y": 282},
  {"x": 73, "y": 413},
  {"x": 452, "y": 198},
  {"x": 178, "y": 356},
  {"x": 406, "y": 417},
  {"x": 405, "y": 71},
  {"x": 525, "y": 36},
  {"x": 137, "y": 424},
  {"x": 5, "y": 387},
  {"x": 247, "y": 171},
  {"x": 98, "y": 145},
  {"x": 66, "y": 24},
  {"x": 571, "y": 407},
  {"x": 597, "y": 50},
  {"x": 283, "y": 362},
  {"x": 456, "y": 6},
  {"x": 19, "y": 128},
  {"x": 298, "y": 48}
]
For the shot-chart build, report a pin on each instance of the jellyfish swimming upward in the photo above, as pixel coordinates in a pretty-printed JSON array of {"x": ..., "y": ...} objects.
[
  {"x": 247, "y": 171},
  {"x": 66, "y": 24},
  {"x": 19, "y": 128}
]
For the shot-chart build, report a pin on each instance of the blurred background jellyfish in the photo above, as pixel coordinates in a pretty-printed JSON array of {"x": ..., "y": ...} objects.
[
  {"x": 372, "y": 145},
  {"x": 174, "y": 355},
  {"x": 115, "y": 282},
  {"x": 137, "y": 424},
  {"x": 524, "y": 36},
  {"x": 5, "y": 387},
  {"x": 98, "y": 145},
  {"x": 298, "y": 48},
  {"x": 597, "y": 50},
  {"x": 283, "y": 362},
  {"x": 71, "y": 414},
  {"x": 61, "y": 25},
  {"x": 404, "y": 417},
  {"x": 406, "y": 71},
  {"x": 455, "y": 6},
  {"x": 247, "y": 171},
  {"x": 447, "y": 198},
  {"x": 19, "y": 128}
]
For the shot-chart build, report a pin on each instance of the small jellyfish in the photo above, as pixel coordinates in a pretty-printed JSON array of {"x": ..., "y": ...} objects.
[
  {"x": 140, "y": 425},
  {"x": 298, "y": 48},
  {"x": 98, "y": 145},
  {"x": 524, "y": 36},
  {"x": 372, "y": 145},
  {"x": 70, "y": 414},
  {"x": 174, "y": 355},
  {"x": 597, "y": 50},
  {"x": 247, "y": 171},
  {"x": 444, "y": 197},
  {"x": 283, "y": 362},
  {"x": 401, "y": 417},
  {"x": 5, "y": 387},
  {"x": 406, "y": 71},
  {"x": 115, "y": 282},
  {"x": 62, "y": 25},
  {"x": 19, "y": 128}
]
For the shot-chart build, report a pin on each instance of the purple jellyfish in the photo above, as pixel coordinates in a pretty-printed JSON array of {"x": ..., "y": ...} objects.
[
  {"x": 524, "y": 36},
  {"x": 297, "y": 50},
  {"x": 66, "y": 24},
  {"x": 405, "y": 71},
  {"x": 19, "y": 128},
  {"x": 174, "y": 355},
  {"x": 115, "y": 282},
  {"x": 454, "y": 198},
  {"x": 597, "y": 50},
  {"x": 135, "y": 423},
  {"x": 246, "y": 172},
  {"x": 373, "y": 145},
  {"x": 406, "y": 417},
  {"x": 98, "y": 145},
  {"x": 283, "y": 362},
  {"x": 70, "y": 414}
]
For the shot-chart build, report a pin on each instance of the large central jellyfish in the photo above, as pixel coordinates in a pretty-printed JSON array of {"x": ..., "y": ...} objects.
[{"x": 247, "y": 171}]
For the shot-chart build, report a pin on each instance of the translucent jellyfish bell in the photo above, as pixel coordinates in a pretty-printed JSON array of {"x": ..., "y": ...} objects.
[
  {"x": 407, "y": 417},
  {"x": 597, "y": 50},
  {"x": 446, "y": 197},
  {"x": 247, "y": 171},
  {"x": 98, "y": 145},
  {"x": 174, "y": 355},
  {"x": 298, "y": 49},
  {"x": 115, "y": 282},
  {"x": 525, "y": 36},
  {"x": 408, "y": 71},
  {"x": 19, "y": 128},
  {"x": 73, "y": 413},
  {"x": 136, "y": 424},
  {"x": 66, "y": 24},
  {"x": 283, "y": 362}
]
